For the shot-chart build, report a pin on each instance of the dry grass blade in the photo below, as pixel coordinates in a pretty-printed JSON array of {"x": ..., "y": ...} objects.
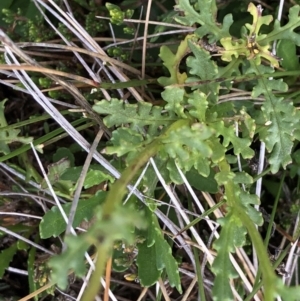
[
  {"x": 12, "y": 48},
  {"x": 106, "y": 59},
  {"x": 81, "y": 181},
  {"x": 145, "y": 38},
  {"x": 49, "y": 71},
  {"x": 89, "y": 43}
]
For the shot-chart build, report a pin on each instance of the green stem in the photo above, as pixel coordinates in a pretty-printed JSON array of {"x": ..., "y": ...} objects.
[
  {"x": 118, "y": 190},
  {"x": 114, "y": 199},
  {"x": 258, "y": 284},
  {"x": 103, "y": 252},
  {"x": 130, "y": 83},
  {"x": 31, "y": 172},
  {"x": 274, "y": 210},
  {"x": 199, "y": 275},
  {"x": 269, "y": 277},
  {"x": 31, "y": 120},
  {"x": 265, "y": 172}
]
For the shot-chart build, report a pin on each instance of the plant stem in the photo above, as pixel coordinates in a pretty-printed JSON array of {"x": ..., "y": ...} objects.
[
  {"x": 114, "y": 199},
  {"x": 269, "y": 277},
  {"x": 103, "y": 251},
  {"x": 118, "y": 189}
]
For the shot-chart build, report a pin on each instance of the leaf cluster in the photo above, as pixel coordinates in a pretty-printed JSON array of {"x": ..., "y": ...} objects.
[
  {"x": 196, "y": 127},
  {"x": 201, "y": 135}
]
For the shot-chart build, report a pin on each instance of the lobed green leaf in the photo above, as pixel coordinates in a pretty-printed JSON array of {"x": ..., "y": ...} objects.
[
  {"x": 281, "y": 119},
  {"x": 171, "y": 61},
  {"x": 124, "y": 140},
  {"x": 137, "y": 115},
  {"x": 72, "y": 259},
  {"x": 240, "y": 145},
  {"x": 175, "y": 100},
  {"x": 206, "y": 69},
  {"x": 286, "y": 32},
  {"x": 10, "y": 135},
  {"x": 188, "y": 145},
  {"x": 232, "y": 235},
  {"x": 205, "y": 15}
]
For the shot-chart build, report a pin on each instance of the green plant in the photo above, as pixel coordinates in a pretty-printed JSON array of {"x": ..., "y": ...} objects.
[{"x": 193, "y": 133}]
